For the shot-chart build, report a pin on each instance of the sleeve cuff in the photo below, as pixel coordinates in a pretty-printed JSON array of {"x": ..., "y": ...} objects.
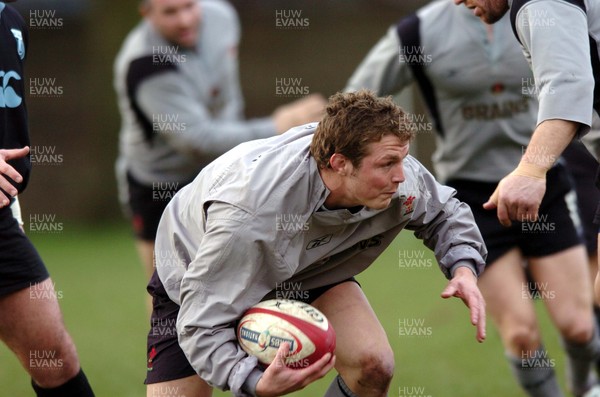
[
  {"x": 463, "y": 264},
  {"x": 249, "y": 385}
]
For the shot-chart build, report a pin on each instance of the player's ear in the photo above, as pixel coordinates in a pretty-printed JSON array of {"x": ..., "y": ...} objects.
[
  {"x": 339, "y": 164},
  {"x": 144, "y": 8}
]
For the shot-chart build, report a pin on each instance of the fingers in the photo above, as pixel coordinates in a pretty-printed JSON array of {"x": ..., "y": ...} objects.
[
  {"x": 318, "y": 369},
  {"x": 517, "y": 197},
  {"x": 314, "y": 98},
  {"x": 481, "y": 332},
  {"x": 278, "y": 379},
  {"x": 490, "y": 205},
  {"x": 301, "y": 111},
  {"x": 503, "y": 213},
  {"x": 4, "y": 200},
  {"x": 492, "y": 202},
  {"x": 282, "y": 353},
  {"x": 7, "y": 171},
  {"x": 464, "y": 286},
  {"x": 517, "y": 211},
  {"x": 312, "y": 107},
  {"x": 449, "y": 291},
  {"x": 6, "y": 186},
  {"x": 476, "y": 304},
  {"x": 11, "y": 154},
  {"x": 477, "y": 308}
]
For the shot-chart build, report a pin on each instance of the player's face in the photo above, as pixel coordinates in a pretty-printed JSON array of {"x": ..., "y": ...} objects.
[
  {"x": 177, "y": 20},
  {"x": 489, "y": 11},
  {"x": 376, "y": 180}
]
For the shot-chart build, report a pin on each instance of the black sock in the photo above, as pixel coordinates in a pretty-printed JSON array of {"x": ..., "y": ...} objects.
[
  {"x": 77, "y": 386},
  {"x": 536, "y": 374},
  {"x": 338, "y": 388},
  {"x": 580, "y": 363}
]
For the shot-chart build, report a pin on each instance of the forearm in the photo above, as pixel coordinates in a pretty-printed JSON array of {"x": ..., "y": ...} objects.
[{"x": 549, "y": 140}]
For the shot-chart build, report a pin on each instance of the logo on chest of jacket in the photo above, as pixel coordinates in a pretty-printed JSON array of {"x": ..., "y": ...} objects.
[{"x": 407, "y": 205}]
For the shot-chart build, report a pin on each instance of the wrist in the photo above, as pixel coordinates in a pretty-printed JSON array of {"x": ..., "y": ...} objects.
[
  {"x": 251, "y": 382},
  {"x": 463, "y": 269},
  {"x": 530, "y": 170}
]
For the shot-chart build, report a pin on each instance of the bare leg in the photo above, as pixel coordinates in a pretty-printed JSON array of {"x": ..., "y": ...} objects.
[
  {"x": 33, "y": 329},
  {"x": 366, "y": 367},
  {"x": 504, "y": 287},
  {"x": 566, "y": 278},
  {"x": 145, "y": 250},
  {"x": 192, "y": 386}
]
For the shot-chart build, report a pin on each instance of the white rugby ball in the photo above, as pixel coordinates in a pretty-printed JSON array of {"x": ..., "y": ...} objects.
[{"x": 265, "y": 326}]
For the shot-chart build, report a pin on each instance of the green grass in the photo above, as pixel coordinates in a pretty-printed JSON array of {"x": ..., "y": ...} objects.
[{"x": 103, "y": 302}]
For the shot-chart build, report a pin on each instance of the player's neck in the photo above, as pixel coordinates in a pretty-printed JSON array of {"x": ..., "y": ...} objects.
[{"x": 337, "y": 197}]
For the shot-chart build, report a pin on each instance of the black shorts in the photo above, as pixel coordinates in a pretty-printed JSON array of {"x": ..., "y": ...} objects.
[
  {"x": 147, "y": 204},
  {"x": 20, "y": 263},
  {"x": 166, "y": 360},
  {"x": 582, "y": 166},
  {"x": 553, "y": 232}
]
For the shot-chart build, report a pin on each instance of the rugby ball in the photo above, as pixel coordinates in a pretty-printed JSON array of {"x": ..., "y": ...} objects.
[{"x": 265, "y": 326}]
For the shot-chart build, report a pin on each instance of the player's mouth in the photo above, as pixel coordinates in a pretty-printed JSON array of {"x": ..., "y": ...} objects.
[
  {"x": 473, "y": 7},
  {"x": 187, "y": 35}
]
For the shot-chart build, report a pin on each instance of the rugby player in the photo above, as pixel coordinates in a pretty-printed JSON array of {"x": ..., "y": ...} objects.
[
  {"x": 31, "y": 323},
  {"x": 561, "y": 41},
  {"x": 223, "y": 245},
  {"x": 480, "y": 93},
  {"x": 178, "y": 89}
]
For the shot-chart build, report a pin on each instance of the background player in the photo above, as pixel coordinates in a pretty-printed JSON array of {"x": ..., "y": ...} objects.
[
  {"x": 176, "y": 78},
  {"x": 560, "y": 42},
  {"x": 351, "y": 188},
  {"x": 477, "y": 87},
  {"x": 31, "y": 323}
]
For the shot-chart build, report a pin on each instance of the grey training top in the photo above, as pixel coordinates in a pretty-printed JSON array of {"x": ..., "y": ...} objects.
[
  {"x": 481, "y": 94},
  {"x": 253, "y": 219},
  {"x": 561, "y": 41},
  {"x": 181, "y": 108}
]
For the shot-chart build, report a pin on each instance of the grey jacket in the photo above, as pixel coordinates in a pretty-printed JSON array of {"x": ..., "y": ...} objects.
[{"x": 253, "y": 219}]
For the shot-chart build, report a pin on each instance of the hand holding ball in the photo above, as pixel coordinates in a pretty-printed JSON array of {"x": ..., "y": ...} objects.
[{"x": 269, "y": 324}]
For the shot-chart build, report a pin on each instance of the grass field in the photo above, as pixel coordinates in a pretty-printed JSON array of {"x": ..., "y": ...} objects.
[{"x": 103, "y": 301}]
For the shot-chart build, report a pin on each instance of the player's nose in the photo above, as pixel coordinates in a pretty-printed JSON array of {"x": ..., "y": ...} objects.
[
  {"x": 185, "y": 19},
  {"x": 398, "y": 174}
]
